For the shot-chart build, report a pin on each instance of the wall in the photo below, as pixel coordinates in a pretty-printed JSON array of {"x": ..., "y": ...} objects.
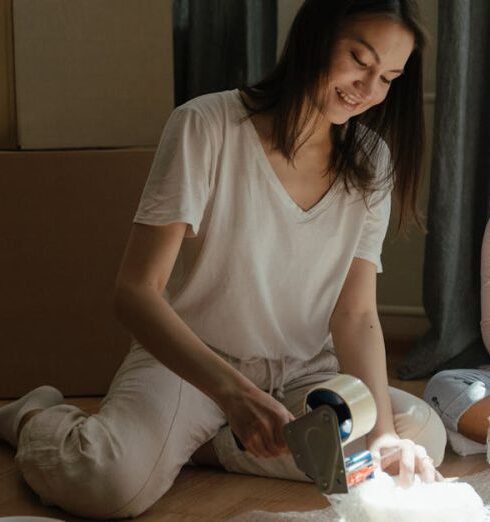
[{"x": 400, "y": 286}]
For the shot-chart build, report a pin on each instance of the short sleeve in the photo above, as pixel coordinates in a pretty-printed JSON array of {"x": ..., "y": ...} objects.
[
  {"x": 378, "y": 216},
  {"x": 178, "y": 185},
  {"x": 374, "y": 231}
]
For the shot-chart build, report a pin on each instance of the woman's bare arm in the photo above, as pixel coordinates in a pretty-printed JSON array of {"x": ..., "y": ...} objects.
[
  {"x": 359, "y": 343},
  {"x": 358, "y": 338},
  {"x": 254, "y": 416},
  {"x": 145, "y": 269}
]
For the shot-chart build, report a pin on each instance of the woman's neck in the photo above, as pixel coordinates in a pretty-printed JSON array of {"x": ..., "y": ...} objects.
[{"x": 316, "y": 132}]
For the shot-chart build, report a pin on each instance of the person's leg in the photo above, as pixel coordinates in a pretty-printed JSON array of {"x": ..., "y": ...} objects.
[
  {"x": 462, "y": 399},
  {"x": 474, "y": 421},
  {"x": 417, "y": 421},
  {"x": 120, "y": 461}
]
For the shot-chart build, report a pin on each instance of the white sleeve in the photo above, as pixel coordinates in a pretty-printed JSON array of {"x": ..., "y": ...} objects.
[
  {"x": 378, "y": 216},
  {"x": 374, "y": 231},
  {"x": 178, "y": 185},
  {"x": 485, "y": 288}
]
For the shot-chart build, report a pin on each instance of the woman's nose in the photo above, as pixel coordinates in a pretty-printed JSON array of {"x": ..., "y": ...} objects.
[{"x": 365, "y": 87}]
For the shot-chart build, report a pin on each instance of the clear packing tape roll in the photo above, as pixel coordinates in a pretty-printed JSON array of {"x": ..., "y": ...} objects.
[
  {"x": 351, "y": 400},
  {"x": 337, "y": 412}
]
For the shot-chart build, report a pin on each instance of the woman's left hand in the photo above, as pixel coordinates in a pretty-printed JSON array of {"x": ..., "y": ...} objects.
[{"x": 402, "y": 457}]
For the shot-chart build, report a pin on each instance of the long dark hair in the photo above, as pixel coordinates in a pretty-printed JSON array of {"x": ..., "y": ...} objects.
[{"x": 292, "y": 91}]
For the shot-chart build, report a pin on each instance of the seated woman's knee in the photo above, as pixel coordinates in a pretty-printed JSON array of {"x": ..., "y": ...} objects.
[
  {"x": 434, "y": 437},
  {"x": 417, "y": 421},
  {"x": 428, "y": 431}
]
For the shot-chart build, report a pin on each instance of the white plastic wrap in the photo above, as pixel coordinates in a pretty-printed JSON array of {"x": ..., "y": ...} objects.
[{"x": 381, "y": 500}]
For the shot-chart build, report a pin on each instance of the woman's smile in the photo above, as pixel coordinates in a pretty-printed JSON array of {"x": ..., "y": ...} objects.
[{"x": 346, "y": 100}]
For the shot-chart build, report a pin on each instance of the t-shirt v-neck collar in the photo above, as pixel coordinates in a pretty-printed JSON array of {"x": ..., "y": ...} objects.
[{"x": 299, "y": 213}]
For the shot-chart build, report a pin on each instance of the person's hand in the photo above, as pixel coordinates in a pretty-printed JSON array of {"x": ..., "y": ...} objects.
[
  {"x": 257, "y": 419},
  {"x": 402, "y": 457}
]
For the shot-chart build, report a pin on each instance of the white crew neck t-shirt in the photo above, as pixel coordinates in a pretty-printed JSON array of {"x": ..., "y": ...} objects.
[{"x": 256, "y": 276}]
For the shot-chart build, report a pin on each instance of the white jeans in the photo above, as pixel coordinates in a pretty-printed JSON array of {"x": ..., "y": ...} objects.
[{"x": 120, "y": 461}]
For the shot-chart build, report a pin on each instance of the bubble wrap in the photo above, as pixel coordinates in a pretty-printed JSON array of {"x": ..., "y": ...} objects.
[{"x": 381, "y": 500}]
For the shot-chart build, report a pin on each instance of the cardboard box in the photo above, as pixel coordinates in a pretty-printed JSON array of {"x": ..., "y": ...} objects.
[
  {"x": 64, "y": 222},
  {"x": 92, "y": 74}
]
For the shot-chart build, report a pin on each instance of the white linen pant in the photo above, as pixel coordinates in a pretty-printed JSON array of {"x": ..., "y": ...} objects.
[{"x": 120, "y": 461}]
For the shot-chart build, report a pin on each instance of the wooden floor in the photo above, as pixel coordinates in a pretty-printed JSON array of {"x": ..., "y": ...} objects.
[{"x": 202, "y": 494}]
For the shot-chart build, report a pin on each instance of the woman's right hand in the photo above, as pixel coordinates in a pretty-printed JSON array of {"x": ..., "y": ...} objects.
[{"x": 257, "y": 419}]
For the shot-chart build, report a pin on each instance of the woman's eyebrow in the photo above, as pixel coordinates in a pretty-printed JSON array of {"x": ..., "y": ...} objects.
[{"x": 373, "y": 50}]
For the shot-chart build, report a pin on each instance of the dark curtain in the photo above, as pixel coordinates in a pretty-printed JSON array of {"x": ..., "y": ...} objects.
[
  {"x": 222, "y": 44},
  {"x": 459, "y": 193}
]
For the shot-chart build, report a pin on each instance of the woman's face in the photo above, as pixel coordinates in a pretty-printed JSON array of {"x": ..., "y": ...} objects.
[{"x": 368, "y": 55}]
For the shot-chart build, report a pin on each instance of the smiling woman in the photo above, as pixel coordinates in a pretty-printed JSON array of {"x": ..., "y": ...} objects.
[
  {"x": 250, "y": 275},
  {"x": 358, "y": 65}
]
